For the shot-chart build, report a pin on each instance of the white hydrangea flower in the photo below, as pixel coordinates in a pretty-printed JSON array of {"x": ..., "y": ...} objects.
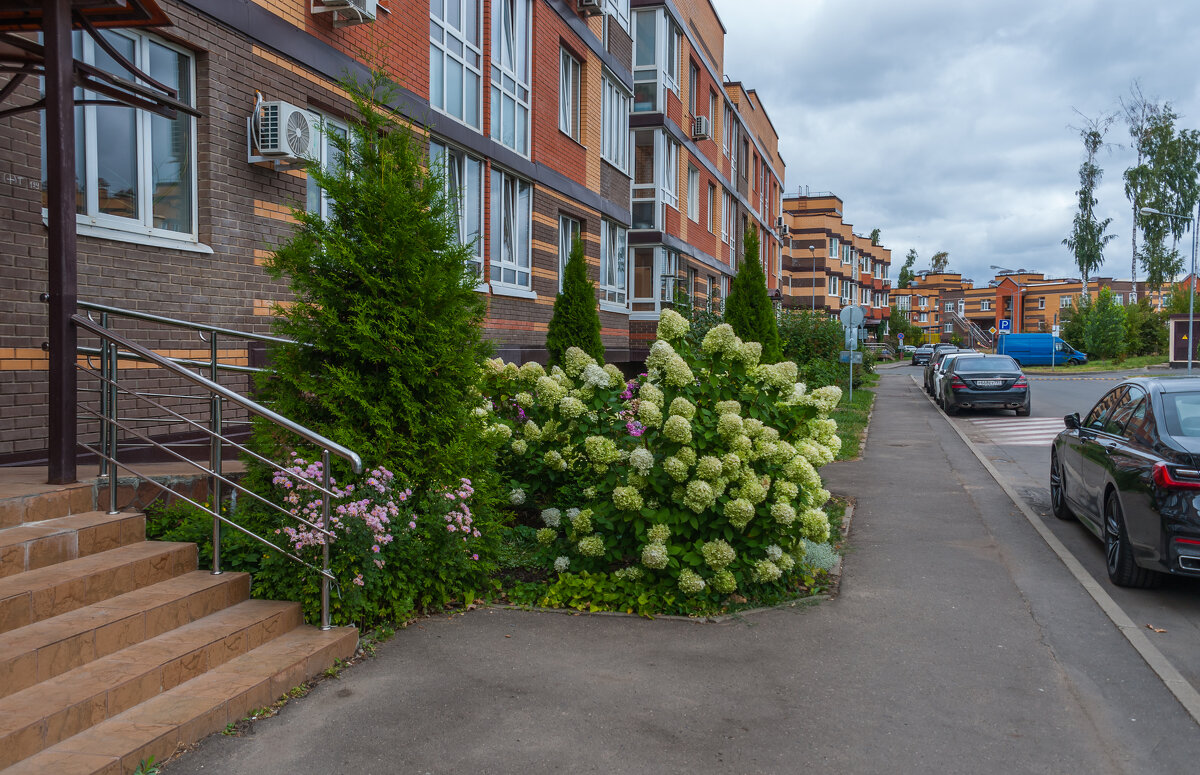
[
  {"x": 595, "y": 376},
  {"x": 531, "y": 371},
  {"x": 649, "y": 413},
  {"x": 687, "y": 455},
  {"x": 690, "y": 582},
  {"x": 591, "y": 546},
  {"x": 729, "y": 426},
  {"x": 815, "y": 524},
  {"x": 499, "y": 430},
  {"x": 718, "y": 554},
  {"x": 682, "y": 407},
  {"x": 554, "y": 461},
  {"x": 581, "y": 523},
  {"x": 658, "y": 533},
  {"x": 678, "y": 430},
  {"x": 650, "y": 392},
  {"x": 749, "y": 353},
  {"x": 523, "y": 399},
  {"x": 549, "y": 392},
  {"x": 575, "y": 361},
  {"x": 786, "y": 563},
  {"x": 516, "y": 496},
  {"x": 642, "y": 460},
  {"x": 618, "y": 378},
  {"x": 552, "y": 517},
  {"x": 519, "y": 447},
  {"x": 655, "y": 556},
  {"x": 530, "y": 430},
  {"x": 731, "y": 464},
  {"x": 546, "y": 536},
  {"x": 678, "y": 373},
  {"x": 724, "y": 582},
  {"x": 672, "y": 326},
  {"x": 739, "y": 512},
  {"x": 627, "y": 498},
  {"x": 721, "y": 339},
  {"x": 766, "y": 571},
  {"x": 571, "y": 407},
  {"x": 708, "y": 467},
  {"x": 562, "y": 563},
  {"x": 676, "y": 468},
  {"x": 752, "y": 490},
  {"x": 601, "y": 450},
  {"x": 785, "y": 490},
  {"x": 728, "y": 407},
  {"x": 660, "y": 352},
  {"x": 774, "y": 552},
  {"x": 698, "y": 495}
]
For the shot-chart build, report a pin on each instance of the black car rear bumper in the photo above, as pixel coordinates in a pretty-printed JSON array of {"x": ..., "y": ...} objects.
[{"x": 987, "y": 399}]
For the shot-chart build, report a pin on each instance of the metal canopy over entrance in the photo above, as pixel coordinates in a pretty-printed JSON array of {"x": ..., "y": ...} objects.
[{"x": 22, "y": 56}]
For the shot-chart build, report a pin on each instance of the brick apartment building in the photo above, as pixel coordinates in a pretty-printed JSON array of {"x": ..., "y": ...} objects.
[
  {"x": 827, "y": 266},
  {"x": 945, "y": 305},
  {"x": 551, "y": 117}
]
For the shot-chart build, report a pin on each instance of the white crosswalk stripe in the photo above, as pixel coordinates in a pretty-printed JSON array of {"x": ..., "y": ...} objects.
[{"x": 1020, "y": 431}]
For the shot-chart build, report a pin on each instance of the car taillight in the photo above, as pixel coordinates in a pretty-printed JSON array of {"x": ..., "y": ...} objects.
[
  {"x": 1187, "y": 541},
  {"x": 1178, "y": 479},
  {"x": 1020, "y": 383},
  {"x": 956, "y": 383}
]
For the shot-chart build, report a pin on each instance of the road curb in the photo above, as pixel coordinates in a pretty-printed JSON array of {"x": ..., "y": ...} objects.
[{"x": 1183, "y": 691}]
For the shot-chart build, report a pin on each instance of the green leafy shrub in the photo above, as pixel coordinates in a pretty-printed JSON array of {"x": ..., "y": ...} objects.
[
  {"x": 575, "y": 322},
  {"x": 699, "y": 480},
  {"x": 385, "y": 314},
  {"x": 1104, "y": 329},
  {"x": 748, "y": 309}
]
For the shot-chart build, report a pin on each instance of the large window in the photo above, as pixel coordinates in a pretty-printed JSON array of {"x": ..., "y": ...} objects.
[
  {"x": 135, "y": 172},
  {"x": 464, "y": 189},
  {"x": 455, "y": 59},
  {"x": 693, "y": 193},
  {"x": 512, "y": 209},
  {"x": 833, "y": 285},
  {"x": 328, "y": 156},
  {"x": 614, "y": 130},
  {"x": 568, "y": 231},
  {"x": 510, "y": 74},
  {"x": 568, "y": 94},
  {"x": 655, "y": 177},
  {"x": 655, "y": 59},
  {"x": 669, "y": 180},
  {"x": 612, "y": 262},
  {"x": 619, "y": 10},
  {"x": 833, "y": 247}
]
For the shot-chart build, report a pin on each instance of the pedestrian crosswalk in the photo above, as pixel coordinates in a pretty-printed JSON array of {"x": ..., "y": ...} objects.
[{"x": 1019, "y": 431}]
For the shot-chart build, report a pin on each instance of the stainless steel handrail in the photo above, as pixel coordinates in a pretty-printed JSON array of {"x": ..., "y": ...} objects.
[
  {"x": 114, "y": 345},
  {"x": 127, "y": 313}
]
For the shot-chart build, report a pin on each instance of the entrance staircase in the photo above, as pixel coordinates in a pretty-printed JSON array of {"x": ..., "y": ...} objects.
[{"x": 114, "y": 649}]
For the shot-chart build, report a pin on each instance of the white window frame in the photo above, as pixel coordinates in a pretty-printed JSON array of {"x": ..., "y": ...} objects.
[
  {"x": 669, "y": 171},
  {"x": 619, "y": 10},
  {"x": 511, "y": 231},
  {"x": 324, "y": 157},
  {"x": 726, "y": 124},
  {"x": 693, "y": 193},
  {"x": 568, "y": 229},
  {"x": 833, "y": 247},
  {"x": 614, "y": 130},
  {"x": 570, "y": 82},
  {"x": 833, "y": 285},
  {"x": 712, "y": 204},
  {"x": 663, "y": 72},
  {"x": 454, "y": 48},
  {"x": 726, "y": 215},
  {"x": 948, "y": 328},
  {"x": 985, "y": 305},
  {"x": 141, "y": 229},
  {"x": 1041, "y": 302},
  {"x": 516, "y": 34},
  {"x": 464, "y": 172},
  {"x": 614, "y": 262},
  {"x": 1065, "y": 302}
]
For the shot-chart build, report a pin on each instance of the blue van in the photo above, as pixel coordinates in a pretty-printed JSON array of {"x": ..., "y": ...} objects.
[{"x": 1037, "y": 349}]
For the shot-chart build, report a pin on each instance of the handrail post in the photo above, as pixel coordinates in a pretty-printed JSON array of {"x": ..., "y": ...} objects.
[
  {"x": 111, "y": 388},
  {"x": 214, "y": 457},
  {"x": 325, "y": 539},
  {"x": 104, "y": 376}
]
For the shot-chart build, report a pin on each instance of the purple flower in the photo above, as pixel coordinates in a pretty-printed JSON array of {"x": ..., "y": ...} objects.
[{"x": 635, "y": 428}]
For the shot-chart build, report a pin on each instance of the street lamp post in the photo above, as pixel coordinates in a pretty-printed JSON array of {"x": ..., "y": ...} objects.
[{"x": 1191, "y": 276}]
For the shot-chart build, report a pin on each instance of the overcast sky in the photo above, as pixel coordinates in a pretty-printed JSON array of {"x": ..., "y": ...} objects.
[{"x": 948, "y": 125}]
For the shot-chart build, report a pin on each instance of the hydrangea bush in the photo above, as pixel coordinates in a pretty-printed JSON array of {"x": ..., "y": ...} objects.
[{"x": 700, "y": 475}]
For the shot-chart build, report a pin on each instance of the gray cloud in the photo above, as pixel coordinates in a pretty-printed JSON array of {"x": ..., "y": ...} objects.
[{"x": 947, "y": 125}]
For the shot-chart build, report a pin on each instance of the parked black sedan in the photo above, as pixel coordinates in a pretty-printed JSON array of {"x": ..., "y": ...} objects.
[
  {"x": 1130, "y": 471},
  {"x": 985, "y": 382}
]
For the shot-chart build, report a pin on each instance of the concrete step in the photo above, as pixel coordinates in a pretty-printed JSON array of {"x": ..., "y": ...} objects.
[
  {"x": 51, "y": 647},
  {"x": 40, "y": 594},
  {"x": 25, "y": 498},
  {"x": 34, "y": 545},
  {"x": 195, "y": 709},
  {"x": 51, "y": 711}
]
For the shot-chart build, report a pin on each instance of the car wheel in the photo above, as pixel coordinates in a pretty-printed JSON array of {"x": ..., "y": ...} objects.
[
  {"x": 1058, "y": 494},
  {"x": 1122, "y": 570},
  {"x": 1072, "y": 362},
  {"x": 1025, "y": 410},
  {"x": 950, "y": 408}
]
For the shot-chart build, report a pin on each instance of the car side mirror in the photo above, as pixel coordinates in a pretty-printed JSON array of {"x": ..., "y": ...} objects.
[{"x": 1072, "y": 421}]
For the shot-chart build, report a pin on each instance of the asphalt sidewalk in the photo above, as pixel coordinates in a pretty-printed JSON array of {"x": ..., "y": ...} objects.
[{"x": 958, "y": 643}]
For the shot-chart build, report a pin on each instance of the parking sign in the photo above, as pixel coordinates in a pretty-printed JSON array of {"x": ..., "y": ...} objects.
[{"x": 1005, "y": 326}]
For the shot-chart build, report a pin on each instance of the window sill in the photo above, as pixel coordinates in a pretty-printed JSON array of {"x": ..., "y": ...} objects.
[
  {"x": 611, "y": 306},
  {"x": 508, "y": 290},
  {"x": 571, "y": 138},
  {"x": 136, "y": 238},
  {"x": 482, "y": 288}
]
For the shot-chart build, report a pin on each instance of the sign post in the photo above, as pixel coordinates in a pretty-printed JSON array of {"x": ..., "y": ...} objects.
[{"x": 851, "y": 318}]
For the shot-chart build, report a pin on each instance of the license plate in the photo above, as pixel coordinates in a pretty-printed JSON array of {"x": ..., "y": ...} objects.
[{"x": 988, "y": 383}]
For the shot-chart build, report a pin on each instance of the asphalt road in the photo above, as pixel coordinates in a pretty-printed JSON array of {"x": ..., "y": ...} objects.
[{"x": 1019, "y": 448}]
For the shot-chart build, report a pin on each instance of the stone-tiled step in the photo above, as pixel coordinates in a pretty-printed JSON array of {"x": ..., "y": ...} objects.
[
  {"x": 25, "y": 501},
  {"x": 48, "y": 648},
  {"x": 196, "y": 709},
  {"x": 40, "y": 594},
  {"x": 34, "y": 545},
  {"x": 48, "y": 713}
]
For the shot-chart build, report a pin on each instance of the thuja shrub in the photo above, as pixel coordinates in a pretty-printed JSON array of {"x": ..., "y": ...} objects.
[
  {"x": 575, "y": 322},
  {"x": 748, "y": 308},
  {"x": 393, "y": 552},
  {"x": 699, "y": 478}
]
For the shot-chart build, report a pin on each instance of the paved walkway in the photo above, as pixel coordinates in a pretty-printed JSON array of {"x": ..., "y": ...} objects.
[{"x": 958, "y": 644}]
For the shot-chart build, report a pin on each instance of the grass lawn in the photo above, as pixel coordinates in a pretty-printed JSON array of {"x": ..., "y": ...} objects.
[
  {"x": 1136, "y": 362},
  {"x": 851, "y": 418}
]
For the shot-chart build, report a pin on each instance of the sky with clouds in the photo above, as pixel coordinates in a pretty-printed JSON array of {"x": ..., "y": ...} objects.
[{"x": 949, "y": 125}]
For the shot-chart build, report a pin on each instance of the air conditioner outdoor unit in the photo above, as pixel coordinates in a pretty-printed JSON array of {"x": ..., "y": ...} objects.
[
  {"x": 782, "y": 229},
  {"x": 591, "y": 7},
  {"x": 284, "y": 132},
  {"x": 348, "y": 12},
  {"x": 701, "y": 129},
  {"x": 779, "y": 224}
]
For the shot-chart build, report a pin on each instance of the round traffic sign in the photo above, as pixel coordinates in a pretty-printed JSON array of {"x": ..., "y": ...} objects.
[{"x": 852, "y": 317}]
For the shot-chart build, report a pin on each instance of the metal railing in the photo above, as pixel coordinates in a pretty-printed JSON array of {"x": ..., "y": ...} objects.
[
  {"x": 115, "y": 348},
  {"x": 976, "y": 336}
]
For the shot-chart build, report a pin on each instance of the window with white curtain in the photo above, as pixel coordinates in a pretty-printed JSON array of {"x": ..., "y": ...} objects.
[
  {"x": 614, "y": 125},
  {"x": 510, "y": 74},
  {"x": 512, "y": 211},
  {"x": 568, "y": 94},
  {"x": 464, "y": 189},
  {"x": 456, "y": 59},
  {"x": 612, "y": 262}
]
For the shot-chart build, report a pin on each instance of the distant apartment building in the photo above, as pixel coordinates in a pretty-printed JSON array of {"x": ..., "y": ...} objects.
[
  {"x": 945, "y": 305},
  {"x": 827, "y": 266},
  {"x": 611, "y": 120}
]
